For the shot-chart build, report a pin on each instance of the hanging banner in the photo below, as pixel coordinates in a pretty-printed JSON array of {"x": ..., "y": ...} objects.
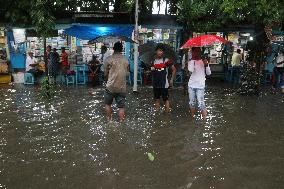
[{"x": 19, "y": 35}]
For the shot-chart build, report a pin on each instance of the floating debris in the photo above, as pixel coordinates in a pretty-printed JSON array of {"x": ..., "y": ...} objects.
[
  {"x": 151, "y": 156},
  {"x": 251, "y": 132}
]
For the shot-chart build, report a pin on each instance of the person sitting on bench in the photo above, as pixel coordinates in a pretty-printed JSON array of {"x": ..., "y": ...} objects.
[{"x": 32, "y": 65}]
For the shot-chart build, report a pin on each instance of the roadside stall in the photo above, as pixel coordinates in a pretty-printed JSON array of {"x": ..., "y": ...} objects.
[
  {"x": 5, "y": 77},
  {"x": 84, "y": 47},
  {"x": 222, "y": 53},
  {"x": 35, "y": 44}
]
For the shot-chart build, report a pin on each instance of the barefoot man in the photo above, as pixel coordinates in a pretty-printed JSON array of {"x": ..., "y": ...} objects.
[{"x": 116, "y": 69}]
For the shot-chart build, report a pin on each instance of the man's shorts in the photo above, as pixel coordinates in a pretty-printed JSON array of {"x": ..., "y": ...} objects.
[
  {"x": 161, "y": 92},
  {"x": 119, "y": 98}
]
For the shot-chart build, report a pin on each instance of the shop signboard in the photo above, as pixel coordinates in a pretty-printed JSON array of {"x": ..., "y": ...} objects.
[
  {"x": 279, "y": 38},
  {"x": 19, "y": 35},
  {"x": 73, "y": 44},
  {"x": 233, "y": 37}
]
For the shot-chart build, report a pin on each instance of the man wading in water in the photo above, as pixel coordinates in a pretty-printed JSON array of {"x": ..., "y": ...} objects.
[
  {"x": 116, "y": 69},
  {"x": 196, "y": 86}
]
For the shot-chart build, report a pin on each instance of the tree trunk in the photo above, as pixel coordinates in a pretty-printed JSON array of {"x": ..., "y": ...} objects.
[
  {"x": 166, "y": 9},
  {"x": 45, "y": 56},
  {"x": 159, "y": 4}
]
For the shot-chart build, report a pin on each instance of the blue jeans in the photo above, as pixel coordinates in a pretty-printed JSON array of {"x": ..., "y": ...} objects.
[{"x": 196, "y": 95}]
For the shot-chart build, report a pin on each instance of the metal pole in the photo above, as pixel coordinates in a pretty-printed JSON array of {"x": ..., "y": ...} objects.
[{"x": 136, "y": 32}]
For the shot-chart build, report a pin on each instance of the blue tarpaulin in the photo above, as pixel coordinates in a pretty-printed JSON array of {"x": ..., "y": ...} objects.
[{"x": 91, "y": 32}]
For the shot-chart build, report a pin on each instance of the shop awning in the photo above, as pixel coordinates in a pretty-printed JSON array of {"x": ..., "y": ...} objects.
[{"x": 92, "y": 32}]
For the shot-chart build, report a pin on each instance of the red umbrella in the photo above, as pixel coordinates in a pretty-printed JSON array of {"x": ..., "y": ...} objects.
[{"x": 203, "y": 40}]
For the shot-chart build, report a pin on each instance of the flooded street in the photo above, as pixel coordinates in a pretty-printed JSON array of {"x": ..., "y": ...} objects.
[{"x": 66, "y": 143}]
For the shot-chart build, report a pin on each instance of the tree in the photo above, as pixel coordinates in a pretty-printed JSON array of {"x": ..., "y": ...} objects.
[{"x": 202, "y": 15}]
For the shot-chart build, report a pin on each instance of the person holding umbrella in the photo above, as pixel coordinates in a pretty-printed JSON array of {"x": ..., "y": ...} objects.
[
  {"x": 160, "y": 68},
  {"x": 199, "y": 69},
  {"x": 196, "y": 85}
]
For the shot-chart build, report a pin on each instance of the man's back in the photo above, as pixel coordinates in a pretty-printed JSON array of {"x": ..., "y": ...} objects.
[
  {"x": 118, "y": 68},
  {"x": 236, "y": 59}
]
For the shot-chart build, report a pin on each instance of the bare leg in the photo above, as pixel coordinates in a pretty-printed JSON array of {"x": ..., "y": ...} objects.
[
  {"x": 192, "y": 112},
  {"x": 157, "y": 105},
  {"x": 204, "y": 114},
  {"x": 108, "y": 112},
  {"x": 167, "y": 106},
  {"x": 121, "y": 114}
]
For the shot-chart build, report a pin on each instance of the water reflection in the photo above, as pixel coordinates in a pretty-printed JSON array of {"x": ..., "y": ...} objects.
[{"x": 67, "y": 143}]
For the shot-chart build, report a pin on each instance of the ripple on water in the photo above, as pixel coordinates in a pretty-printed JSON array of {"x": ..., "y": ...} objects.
[{"x": 67, "y": 141}]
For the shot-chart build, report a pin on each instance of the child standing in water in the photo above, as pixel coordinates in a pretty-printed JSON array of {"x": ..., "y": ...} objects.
[
  {"x": 160, "y": 69},
  {"x": 196, "y": 85}
]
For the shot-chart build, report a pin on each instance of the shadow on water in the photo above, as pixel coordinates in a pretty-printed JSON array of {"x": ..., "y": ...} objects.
[{"x": 66, "y": 143}]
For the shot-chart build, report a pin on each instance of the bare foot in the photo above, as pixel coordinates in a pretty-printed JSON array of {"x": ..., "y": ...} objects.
[{"x": 204, "y": 114}]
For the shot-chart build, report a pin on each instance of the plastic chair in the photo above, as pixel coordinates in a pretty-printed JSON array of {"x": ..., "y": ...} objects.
[
  {"x": 29, "y": 79},
  {"x": 266, "y": 79},
  {"x": 60, "y": 78},
  {"x": 70, "y": 79},
  {"x": 139, "y": 77},
  {"x": 139, "y": 74},
  {"x": 179, "y": 77},
  {"x": 81, "y": 74}
]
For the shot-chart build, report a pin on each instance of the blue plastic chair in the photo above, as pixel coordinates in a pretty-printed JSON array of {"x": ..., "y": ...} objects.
[
  {"x": 179, "y": 77},
  {"x": 131, "y": 75},
  {"x": 266, "y": 79},
  {"x": 70, "y": 79},
  {"x": 29, "y": 79},
  {"x": 81, "y": 74}
]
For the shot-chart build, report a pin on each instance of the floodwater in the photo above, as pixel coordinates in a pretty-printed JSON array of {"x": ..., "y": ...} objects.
[{"x": 66, "y": 143}]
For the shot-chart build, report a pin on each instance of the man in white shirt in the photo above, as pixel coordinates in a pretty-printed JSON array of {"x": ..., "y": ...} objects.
[
  {"x": 103, "y": 56},
  {"x": 279, "y": 70},
  {"x": 31, "y": 63},
  {"x": 196, "y": 85},
  {"x": 236, "y": 63}
]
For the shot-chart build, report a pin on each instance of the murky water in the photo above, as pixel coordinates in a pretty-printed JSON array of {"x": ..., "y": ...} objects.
[{"x": 66, "y": 143}]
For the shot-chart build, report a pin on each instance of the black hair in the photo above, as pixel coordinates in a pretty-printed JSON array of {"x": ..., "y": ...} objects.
[
  {"x": 104, "y": 48},
  {"x": 239, "y": 51},
  {"x": 63, "y": 48},
  {"x": 195, "y": 48},
  {"x": 160, "y": 47},
  {"x": 117, "y": 47}
]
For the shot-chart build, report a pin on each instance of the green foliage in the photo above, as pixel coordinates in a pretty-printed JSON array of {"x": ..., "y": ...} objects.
[
  {"x": 202, "y": 15},
  {"x": 47, "y": 90},
  {"x": 40, "y": 13},
  {"x": 43, "y": 20}
]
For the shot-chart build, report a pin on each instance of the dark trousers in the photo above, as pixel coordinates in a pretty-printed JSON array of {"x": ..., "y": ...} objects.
[
  {"x": 278, "y": 72},
  {"x": 185, "y": 79}
]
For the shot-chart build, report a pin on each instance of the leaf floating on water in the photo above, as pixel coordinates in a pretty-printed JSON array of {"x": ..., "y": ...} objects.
[
  {"x": 151, "y": 156},
  {"x": 251, "y": 132}
]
